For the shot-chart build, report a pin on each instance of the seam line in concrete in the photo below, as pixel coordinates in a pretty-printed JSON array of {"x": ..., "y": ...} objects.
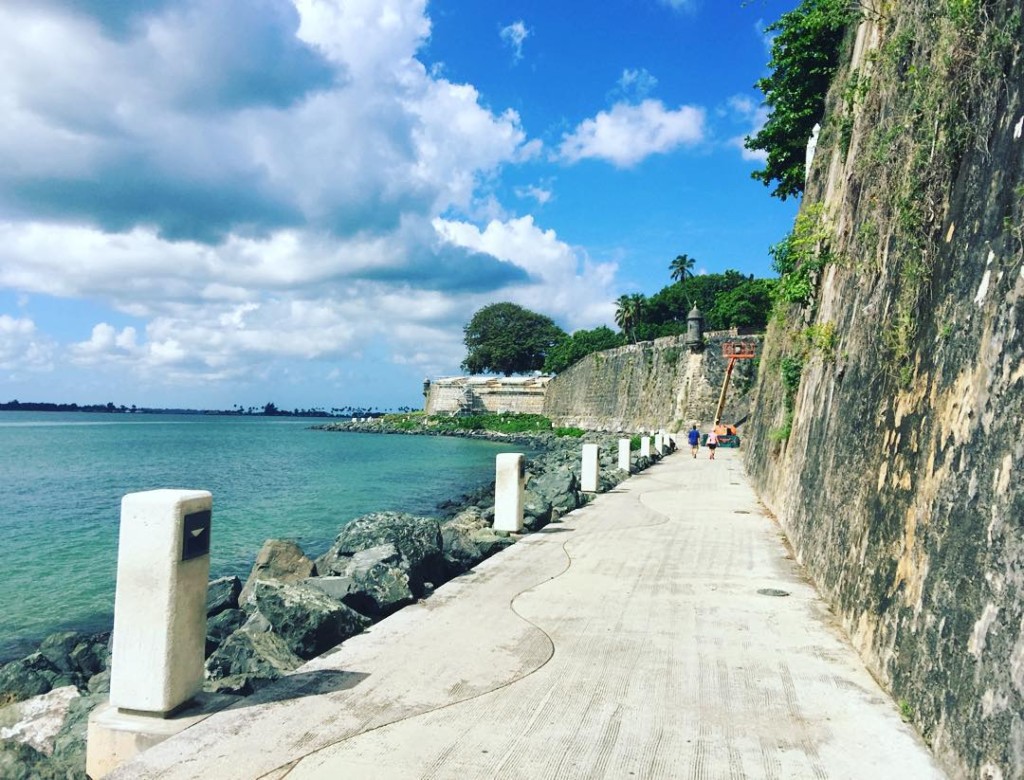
[{"x": 295, "y": 762}]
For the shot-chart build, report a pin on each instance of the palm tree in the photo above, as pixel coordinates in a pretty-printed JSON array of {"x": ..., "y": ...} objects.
[
  {"x": 682, "y": 267},
  {"x": 630, "y": 313}
]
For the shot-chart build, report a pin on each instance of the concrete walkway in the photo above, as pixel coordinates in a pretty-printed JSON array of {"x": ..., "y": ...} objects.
[{"x": 638, "y": 638}]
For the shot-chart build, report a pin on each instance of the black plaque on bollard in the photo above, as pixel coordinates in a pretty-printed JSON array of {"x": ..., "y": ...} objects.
[{"x": 195, "y": 535}]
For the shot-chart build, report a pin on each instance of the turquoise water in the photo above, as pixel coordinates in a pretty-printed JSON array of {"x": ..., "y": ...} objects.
[{"x": 62, "y": 477}]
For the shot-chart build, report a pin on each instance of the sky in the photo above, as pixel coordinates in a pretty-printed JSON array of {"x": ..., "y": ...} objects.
[{"x": 206, "y": 203}]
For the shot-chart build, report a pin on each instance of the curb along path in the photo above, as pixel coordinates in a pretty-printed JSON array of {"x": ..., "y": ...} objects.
[{"x": 630, "y": 640}]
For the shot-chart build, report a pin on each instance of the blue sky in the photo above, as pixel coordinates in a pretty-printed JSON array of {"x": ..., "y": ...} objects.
[{"x": 303, "y": 201}]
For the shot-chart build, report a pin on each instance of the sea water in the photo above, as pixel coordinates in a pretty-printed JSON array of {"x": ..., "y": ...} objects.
[{"x": 62, "y": 477}]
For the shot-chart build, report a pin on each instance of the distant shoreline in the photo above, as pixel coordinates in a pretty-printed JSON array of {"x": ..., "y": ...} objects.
[{"x": 110, "y": 408}]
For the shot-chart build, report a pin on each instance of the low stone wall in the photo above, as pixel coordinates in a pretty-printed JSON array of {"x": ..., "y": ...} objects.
[
  {"x": 651, "y": 385},
  {"x": 479, "y": 395}
]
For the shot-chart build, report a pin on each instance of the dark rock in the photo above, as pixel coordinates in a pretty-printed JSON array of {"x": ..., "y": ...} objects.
[
  {"x": 279, "y": 560},
  {"x": 18, "y": 761},
  {"x": 309, "y": 621},
  {"x": 92, "y": 655},
  {"x": 560, "y": 487},
  {"x": 99, "y": 682},
  {"x": 254, "y": 653},
  {"x": 70, "y": 742},
  {"x": 57, "y": 649},
  {"x": 221, "y": 626},
  {"x": 222, "y": 594},
  {"x": 27, "y": 677},
  {"x": 236, "y": 685},
  {"x": 468, "y": 539},
  {"x": 417, "y": 540},
  {"x": 374, "y": 582}
]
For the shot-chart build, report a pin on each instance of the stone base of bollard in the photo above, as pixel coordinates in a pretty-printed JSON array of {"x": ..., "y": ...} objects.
[{"x": 116, "y": 737}]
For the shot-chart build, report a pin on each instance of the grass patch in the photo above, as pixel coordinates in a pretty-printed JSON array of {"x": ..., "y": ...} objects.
[{"x": 573, "y": 433}]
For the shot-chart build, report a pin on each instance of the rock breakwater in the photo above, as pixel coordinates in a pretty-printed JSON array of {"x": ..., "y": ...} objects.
[{"x": 293, "y": 608}]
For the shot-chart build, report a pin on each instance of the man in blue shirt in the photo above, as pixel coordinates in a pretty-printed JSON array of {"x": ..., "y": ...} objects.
[{"x": 694, "y": 438}]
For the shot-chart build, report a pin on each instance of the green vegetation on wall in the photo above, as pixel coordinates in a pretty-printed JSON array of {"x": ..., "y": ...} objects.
[
  {"x": 800, "y": 257},
  {"x": 579, "y": 345}
]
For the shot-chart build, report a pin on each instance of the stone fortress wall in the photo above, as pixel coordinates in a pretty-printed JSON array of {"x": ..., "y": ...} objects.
[
  {"x": 651, "y": 385},
  {"x": 899, "y": 483},
  {"x": 647, "y": 386}
]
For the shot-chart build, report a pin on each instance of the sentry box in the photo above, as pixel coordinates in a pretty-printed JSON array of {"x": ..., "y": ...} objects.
[{"x": 163, "y": 567}]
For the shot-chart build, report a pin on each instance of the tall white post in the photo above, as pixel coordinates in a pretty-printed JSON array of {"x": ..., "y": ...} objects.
[
  {"x": 645, "y": 446},
  {"x": 658, "y": 445},
  {"x": 509, "y": 482},
  {"x": 624, "y": 454},
  {"x": 159, "y": 642},
  {"x": 588, "y": 479},
  {"x": 163, "y": 566}
]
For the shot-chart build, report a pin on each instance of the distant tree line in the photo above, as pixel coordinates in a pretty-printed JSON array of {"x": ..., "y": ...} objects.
[
  {"x": 267, "y": 410},
  {"x": 504, "y": 338}
]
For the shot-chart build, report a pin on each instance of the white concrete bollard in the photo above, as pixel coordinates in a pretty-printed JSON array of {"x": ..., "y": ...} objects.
[
  {"x": 624, "y": 454},
  {"x": 658, "y": 447},
  {"x": 509, "y": 482},
  {"x": 645, "y": 446},
  {"x": 588, "y": 479},
  {"x": 159, "y": 641},
  {"x": 163, "y": 567}
]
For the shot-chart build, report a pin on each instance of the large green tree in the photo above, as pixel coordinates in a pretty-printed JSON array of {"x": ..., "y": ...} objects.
[
  {"x": 805, "y": 55},
  {"x": 505, "y": 338}
]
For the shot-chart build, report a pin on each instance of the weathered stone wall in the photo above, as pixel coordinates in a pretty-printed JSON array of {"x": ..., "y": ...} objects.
[
  {"x": 478, "y": 395},
  {"x": 900, "y": 483},
  {"x": 649, "y": 386}
]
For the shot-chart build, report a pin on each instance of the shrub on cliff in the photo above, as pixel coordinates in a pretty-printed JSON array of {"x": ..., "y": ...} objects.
[{"x": 805, "y": 55}]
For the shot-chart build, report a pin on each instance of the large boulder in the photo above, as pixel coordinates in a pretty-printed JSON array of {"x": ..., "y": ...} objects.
[
  {"x": 559, "y": 486},
  {"x": 31, "y": 676},
  {"x": 469, "y": 539},
  {"x": 37, "y": 721},
  {"x": 279, "y": 560},
  {"x": 374, "y": 582},
  {"x": 416, "y": 539},
  {"x": 309, "y": 621},
  {"x": 253, "y": 654}
]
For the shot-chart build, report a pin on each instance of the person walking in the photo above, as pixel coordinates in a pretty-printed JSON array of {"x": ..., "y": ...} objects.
[
  {"x": 694, "y": 438},
  {"x": 712, "y": 442}
]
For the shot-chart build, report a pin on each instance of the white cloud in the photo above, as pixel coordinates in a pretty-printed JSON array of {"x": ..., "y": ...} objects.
[
  {"x": 627, "y": 134},
  {"x": 743, "y": 110},
  {"x": 22, "y": 347},
  {"x": 106, "y": 345},
  {"x": 255, "y": 181},
  {"x": 537, "y": 193},
  {"x": 514, "y": 35},
  {"x": 565, "y": 285}
]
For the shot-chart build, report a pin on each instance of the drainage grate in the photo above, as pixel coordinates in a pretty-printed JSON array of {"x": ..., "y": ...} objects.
[{"x": 773, "y": 592}]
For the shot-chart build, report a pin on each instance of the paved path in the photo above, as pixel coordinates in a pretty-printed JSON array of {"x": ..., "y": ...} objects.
[{"x": 631, "y": 640}]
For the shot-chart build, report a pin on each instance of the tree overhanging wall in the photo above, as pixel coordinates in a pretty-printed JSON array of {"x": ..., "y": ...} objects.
[{"x": 892, "y": 455}]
